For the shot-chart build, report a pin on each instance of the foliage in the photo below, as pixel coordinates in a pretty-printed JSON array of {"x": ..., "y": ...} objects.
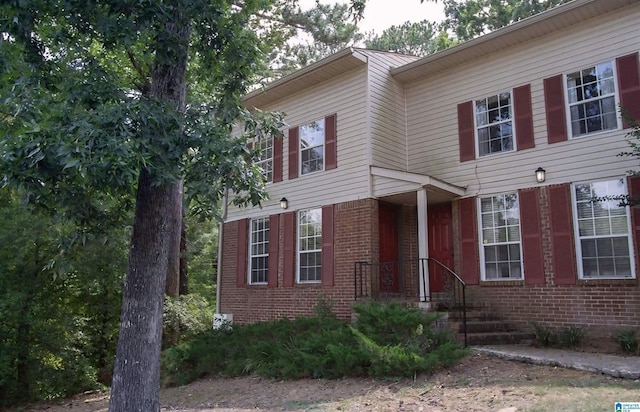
[
  {"x": 564, "y": 337},
  {"x": 545, "y": 335},
  {"x": 629, "y": 342},
  {"x": 59, "y": 303},
  {"x": 402, "y": 344},
  {"x": 570, "y": 336},
  {"x": 468, "y": 19},
  {"x": 185, "y": 316},
  {"x": 416, "y": 39}
]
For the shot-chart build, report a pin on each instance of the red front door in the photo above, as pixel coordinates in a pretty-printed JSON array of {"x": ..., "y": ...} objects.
[
  {"x": 440, "y": 242},
  {"x": 388, "y": 242}
]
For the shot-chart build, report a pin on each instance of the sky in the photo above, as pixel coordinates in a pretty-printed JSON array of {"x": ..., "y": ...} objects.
[{"x": 382, "y": 14}]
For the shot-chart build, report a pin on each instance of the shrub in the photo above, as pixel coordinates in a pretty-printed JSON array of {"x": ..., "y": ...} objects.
[
  {"x": 387, "y": 340},
  {"x": 545, "y": 335},
  {"x": 629, "y": 342},
  {"x": 570, "y": 336}
]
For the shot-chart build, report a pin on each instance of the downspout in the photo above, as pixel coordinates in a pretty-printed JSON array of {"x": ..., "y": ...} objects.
[{"x": 220, "y": 231}]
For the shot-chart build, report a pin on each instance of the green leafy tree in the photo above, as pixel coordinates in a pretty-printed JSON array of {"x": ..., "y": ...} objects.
[
  {"x": 471, "y": 18},
  {"x": 416, "y": 39},
  {"x": 76, "y": 132}
]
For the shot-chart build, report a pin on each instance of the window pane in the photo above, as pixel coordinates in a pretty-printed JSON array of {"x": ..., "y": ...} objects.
[
  {"x": 501, "y": 245},
  {"x": 604, "y": 235}
]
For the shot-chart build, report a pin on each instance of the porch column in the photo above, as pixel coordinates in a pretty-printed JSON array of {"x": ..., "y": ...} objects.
[{"x": 423, "y": 247}]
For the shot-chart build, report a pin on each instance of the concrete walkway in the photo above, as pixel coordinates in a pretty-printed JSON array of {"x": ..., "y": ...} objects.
[{"x": 618, "y": 366}]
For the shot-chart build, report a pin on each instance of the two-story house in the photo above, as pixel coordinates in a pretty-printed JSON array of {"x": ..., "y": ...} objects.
[{"x": 491, "y": 158}]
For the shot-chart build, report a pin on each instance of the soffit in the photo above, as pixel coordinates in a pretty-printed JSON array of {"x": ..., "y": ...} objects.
[
  {"x": 316, "y": 73},
  {"x": 552, "y": 20}
]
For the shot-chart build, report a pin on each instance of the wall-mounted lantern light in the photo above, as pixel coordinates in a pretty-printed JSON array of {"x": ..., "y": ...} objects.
[
  {"x": 541, "y": 175},
  {"x": 284, "y": 203}
]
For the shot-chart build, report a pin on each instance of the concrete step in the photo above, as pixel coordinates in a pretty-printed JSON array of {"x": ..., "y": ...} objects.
[
  {"x": 472, "y": 315},
  {"x": 496, "y": 338},
  {"x": 481, "y": 326}
]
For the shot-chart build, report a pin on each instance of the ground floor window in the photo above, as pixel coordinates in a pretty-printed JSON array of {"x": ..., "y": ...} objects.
[
  {"x": 259, "y": 251},
  {"x": 500, "y": 237},
  {"x": 602, "y": 227},
  {"x": 310, "y": 245}
]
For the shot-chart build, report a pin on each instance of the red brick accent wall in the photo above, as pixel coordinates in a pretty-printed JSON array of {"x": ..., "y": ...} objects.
[
  {"x": 600, "y": 306},
  {"x": 355, "y": 238}
]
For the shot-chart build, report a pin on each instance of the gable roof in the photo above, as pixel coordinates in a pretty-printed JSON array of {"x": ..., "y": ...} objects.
[
  {"x": 541, "y": 24},
  {"x": 315, "y": 73}
]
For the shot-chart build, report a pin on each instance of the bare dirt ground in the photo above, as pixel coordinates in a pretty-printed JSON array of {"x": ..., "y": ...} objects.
[{"x": 478, "y": 383}]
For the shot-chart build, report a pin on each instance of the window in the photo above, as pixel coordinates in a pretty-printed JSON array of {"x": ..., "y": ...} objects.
[
  {"x": 259, "y": 251},
  {"x": 312, "y": 147},
  {"x": 592, "y": 99},
  {"x": 310, "y": 245},
  {"x": 501, "y": 249},
  {"x": 602, "y": 230},
  {"x": 266, "y": 157},
  {"x": 494, "y": 125}
]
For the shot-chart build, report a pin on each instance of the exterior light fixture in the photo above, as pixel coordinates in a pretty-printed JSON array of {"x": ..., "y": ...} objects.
[
  {"x": 284, "y": 203},
  {"x": 541, "y": 175}
]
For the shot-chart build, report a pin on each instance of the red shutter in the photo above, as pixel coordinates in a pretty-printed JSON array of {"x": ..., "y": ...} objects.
[
  {"x": 274, "y": 239},
  {"x": 469, "y": 240},
  {"x": 330, "y": 143},
  {"x": 629, "y": 85},
  {"x": 466, "y": 133},
  {"x": 564, "y": 259},
  {"x": 289, "y": 271},
  {"x": 293, "y": 152},
  {"x": 327, "y": 246},
  {"x": 523, "y": 117},
  {"x": 634, "y": 192},
  {"x": 554, "y": 106},
  {"x": 277, "y": 159},
  {"x": 531, "y": 236},
  {"x": 242, "y": 256}
]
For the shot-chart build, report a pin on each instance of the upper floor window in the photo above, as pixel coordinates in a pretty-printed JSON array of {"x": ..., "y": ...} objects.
[
  {"x": 603, "y": 236},
  {"x": 259, "y": 251},
  {"x": 592, "y": 99},
  {"x": 494, "y": 126},
  {"x": 265, "y": 157},
  {"x": 310, "y": 245},
  {"x": 312, "y": 139},
  {"x": 501, "y": 245}
]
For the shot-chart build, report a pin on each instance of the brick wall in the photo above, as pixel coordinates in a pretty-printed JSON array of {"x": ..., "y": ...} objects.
[
  {"x": 600, "y": 306},
  {"x": 355, "y": 238}
]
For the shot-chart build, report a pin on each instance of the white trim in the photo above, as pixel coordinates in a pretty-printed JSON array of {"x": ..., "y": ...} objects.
[
  {"x": 483, "y": 274},
  {"x": 423, "y": 243},
  {"x": 323, "y": 145},
  {"x": 262, "y": 255},
  {"x": 422, "y": 180},
  {"x": 514, "y": 148},
  {"x": 576, "y": 231},
  {"x": 298, "y": 248},
  {"x": 567, "y": 105}
]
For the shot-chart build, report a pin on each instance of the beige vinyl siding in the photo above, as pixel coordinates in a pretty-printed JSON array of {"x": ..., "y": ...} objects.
[
  {"x": 384, "y": 186},
  {"x": 432, "y": 110},
  {"x": 345, "y": 96},
  {"x": 386, "y": 111}
]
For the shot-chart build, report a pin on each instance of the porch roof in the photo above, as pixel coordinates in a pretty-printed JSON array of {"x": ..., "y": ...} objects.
[{"x": 400, "y": 187}]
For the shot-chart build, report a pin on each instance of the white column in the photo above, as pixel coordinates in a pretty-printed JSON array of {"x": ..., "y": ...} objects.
[{"x": 423, "y": 246}]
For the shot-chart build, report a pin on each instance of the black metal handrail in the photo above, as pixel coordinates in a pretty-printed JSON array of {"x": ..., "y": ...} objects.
[
  {"x": 458, "y": 292},
  {"x": 367, "y": 277}
]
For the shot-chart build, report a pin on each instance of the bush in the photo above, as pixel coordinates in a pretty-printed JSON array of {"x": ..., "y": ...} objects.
[
  {"x": 185, "y": 316},
  {"x": 387, "y": 340},
  {"x": 570, "y": 336},
  {"x": 545, "y": 335},
  {"x": 629, "y": 342}
]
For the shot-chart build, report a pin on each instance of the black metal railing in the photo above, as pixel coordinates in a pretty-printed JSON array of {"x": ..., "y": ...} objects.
[{"x": 408, "y": 279}]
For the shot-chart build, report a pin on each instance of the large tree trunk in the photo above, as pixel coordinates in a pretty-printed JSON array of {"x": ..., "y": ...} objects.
[
  {"x": 136, "y": 378},
  {"x": 174, "y": 273}
]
